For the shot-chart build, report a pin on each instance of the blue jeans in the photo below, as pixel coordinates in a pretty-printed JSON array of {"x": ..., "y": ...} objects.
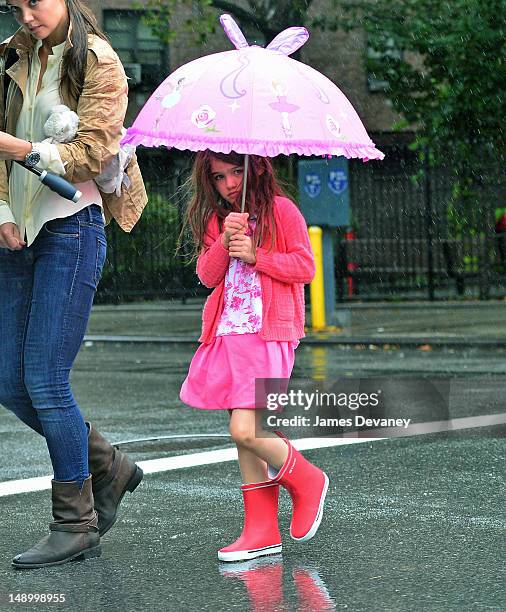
[{"x": 46, "y": 294}]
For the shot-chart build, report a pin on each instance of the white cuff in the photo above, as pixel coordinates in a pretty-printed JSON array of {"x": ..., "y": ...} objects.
[
  {"x": 50, "y": 158},
  {"x": 6, "y": 215}
]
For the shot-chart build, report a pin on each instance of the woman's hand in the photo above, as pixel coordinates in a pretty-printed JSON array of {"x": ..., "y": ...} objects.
[
  {"x": 234, "y": 223},
  {"x": 242, "y": 247},
  {"x": 13, "y": 148},
  {"x": 10, "y": 237}
]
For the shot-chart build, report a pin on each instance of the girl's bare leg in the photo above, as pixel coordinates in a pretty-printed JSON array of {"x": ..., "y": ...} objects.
[
  {"x": 253, "y": 469},
  {"x": 256, "y": 447}
]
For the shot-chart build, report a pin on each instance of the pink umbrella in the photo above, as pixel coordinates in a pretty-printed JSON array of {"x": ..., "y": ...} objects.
[{"x": 253, "y": 101}]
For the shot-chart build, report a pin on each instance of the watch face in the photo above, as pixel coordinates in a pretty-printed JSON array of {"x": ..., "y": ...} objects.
[{"x": 32, "y": 159}]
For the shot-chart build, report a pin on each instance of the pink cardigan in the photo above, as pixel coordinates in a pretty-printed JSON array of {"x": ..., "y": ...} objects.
[{"x": 282, "y": 272}]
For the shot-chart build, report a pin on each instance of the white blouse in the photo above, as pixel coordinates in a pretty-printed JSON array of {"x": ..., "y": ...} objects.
[
  {"x": 242, "y": 303},
  {"x": 31, "y": 203}
]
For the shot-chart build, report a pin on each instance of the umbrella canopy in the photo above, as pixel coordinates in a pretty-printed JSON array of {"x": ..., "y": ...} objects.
[{"x": 253, "y": 101}]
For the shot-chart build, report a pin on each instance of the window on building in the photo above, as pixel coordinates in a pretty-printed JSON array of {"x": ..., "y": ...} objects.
[
  {"x": 373, "y": 83},
  {"x": 144, "y": 56},
  {"x": 8, "y": 25}
]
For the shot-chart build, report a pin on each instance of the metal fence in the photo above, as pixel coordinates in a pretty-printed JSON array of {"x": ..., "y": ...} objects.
[
  {"x": 409, "y": 243},
  {"x": 144, "y": 263}
]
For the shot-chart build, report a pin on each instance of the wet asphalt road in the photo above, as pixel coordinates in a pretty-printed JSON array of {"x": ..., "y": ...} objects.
[
  {"x": 469, "y": 321},
  {"x": 132, "y": 390},
  {"x": 410, "y": 523}
]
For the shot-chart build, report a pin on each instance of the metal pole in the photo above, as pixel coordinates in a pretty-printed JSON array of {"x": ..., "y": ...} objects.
[
  {"x": 429, "y": 229},
  {"x": 244, "y": 182},
  {"x": 485, "y": 245},
  {"x": 329, "y": 274}
]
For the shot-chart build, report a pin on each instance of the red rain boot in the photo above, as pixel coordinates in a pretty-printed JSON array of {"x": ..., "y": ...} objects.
[
  {"x": 312, "y": 592},
  {"x": 260, "y": 535},
  {"x": 263, "y": 580},
  {"x": 307, "y": 486}
]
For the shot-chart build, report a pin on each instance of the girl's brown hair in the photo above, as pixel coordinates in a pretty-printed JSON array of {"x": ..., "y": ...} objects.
[
  {"x": 262, "y": 187},
  {"x": 75, "y": 59}
]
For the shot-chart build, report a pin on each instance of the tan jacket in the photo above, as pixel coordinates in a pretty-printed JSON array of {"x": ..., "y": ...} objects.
[{"x": 101, "y": 108}]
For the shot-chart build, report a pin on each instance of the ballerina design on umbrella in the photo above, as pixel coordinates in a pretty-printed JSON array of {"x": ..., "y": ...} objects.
[
  {"x": 283, "y": 107},
  {"x": 169, "y": 101}
]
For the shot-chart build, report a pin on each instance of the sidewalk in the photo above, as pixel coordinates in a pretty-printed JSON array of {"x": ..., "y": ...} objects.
[{"x": 456, "y": 324}]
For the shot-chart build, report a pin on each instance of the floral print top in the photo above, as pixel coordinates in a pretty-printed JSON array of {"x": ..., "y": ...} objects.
[{"x": 242, "y": 303}]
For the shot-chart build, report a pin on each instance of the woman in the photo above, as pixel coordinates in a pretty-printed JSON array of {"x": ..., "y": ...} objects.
[{"x": 51, "y": 257}]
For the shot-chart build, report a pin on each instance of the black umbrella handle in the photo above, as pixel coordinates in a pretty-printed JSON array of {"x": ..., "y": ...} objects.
[{"x": 56, "y": 183}]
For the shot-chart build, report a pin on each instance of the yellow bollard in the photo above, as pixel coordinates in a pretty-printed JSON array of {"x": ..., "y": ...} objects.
[
  {"x": 319, "y": 362},
  {"x": 317, "y": 287}
]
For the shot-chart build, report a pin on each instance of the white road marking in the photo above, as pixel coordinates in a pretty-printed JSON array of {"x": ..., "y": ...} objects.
[{"x": 164, "y": 464}]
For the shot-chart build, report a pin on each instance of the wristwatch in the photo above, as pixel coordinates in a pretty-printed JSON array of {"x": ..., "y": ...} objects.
[{"x": 33, "y": 158}]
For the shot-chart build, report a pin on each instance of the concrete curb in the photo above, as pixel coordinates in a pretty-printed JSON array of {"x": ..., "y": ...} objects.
[
  {"x": 198, "y": 305},
  {"x": 315, "y": 340}
]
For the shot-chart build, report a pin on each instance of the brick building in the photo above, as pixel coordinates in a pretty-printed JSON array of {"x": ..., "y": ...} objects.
[
  {"x": 386, "y": 206},
  {"x": 147, "y": 60}
]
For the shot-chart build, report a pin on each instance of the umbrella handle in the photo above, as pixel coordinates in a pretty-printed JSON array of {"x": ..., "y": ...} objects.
[
  {"x": 60, "y": 186},
  {"x": 56, "y": 183},
  {"x": 244, "y": 182}
]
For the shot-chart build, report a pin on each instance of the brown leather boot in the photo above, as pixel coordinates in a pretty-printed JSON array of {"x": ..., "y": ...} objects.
[
  {"x": 73, "y": 534},
  {"x": 113, "y": 475}
]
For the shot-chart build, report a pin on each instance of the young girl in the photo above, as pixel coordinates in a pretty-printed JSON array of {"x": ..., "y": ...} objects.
[{"x": 257, "y": 262}]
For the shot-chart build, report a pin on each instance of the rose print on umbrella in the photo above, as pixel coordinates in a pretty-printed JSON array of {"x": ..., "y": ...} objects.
[{"x": 203, "y": 118}]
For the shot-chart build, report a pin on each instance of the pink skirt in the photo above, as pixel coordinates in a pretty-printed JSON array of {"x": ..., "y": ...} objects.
[{"x": 222, "y": 374}]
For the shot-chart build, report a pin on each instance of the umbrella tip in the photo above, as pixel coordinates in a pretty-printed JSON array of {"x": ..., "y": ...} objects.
[{"x": 233, "y": 31}]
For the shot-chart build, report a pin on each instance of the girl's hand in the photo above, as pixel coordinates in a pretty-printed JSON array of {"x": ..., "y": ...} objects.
[
  {"x": 242, "y": 247},
  {"x": 234, "y": 223},
  {"x": 10, "y": 237}
]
